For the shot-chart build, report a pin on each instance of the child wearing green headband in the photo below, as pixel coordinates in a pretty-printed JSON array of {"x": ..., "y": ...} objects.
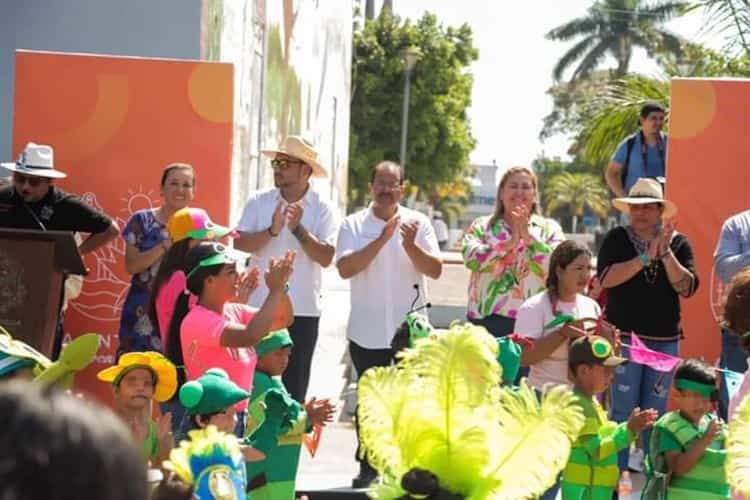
[
  {"x": 277, "y": 423},
  {"x": 687, "y": 454}
]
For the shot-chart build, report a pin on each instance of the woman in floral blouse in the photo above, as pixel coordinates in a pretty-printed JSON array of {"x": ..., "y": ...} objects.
[
  {"x": 508, "y": 253},
  {"x": 146, "y": 242}
]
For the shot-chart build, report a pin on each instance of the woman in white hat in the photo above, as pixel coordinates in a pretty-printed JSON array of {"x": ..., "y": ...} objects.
[{"x": 645, "y": 268}]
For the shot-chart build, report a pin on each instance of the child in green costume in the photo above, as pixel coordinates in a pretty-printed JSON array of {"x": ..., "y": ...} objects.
[
  {"x": 687, "y": 455},
  {"x": 277, "y": 423},
  {"x": 592, "y": 472}
]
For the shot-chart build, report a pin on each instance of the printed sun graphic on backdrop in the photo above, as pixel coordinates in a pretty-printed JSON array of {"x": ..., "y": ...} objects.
[{"x": 106, "y": 286}]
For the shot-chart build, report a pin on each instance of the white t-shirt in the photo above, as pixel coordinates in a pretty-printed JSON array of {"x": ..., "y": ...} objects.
[
  {"x": 536, "y": 312},
  {"x": 382, "y": 293},
  {"x": 318, "y": 218}
]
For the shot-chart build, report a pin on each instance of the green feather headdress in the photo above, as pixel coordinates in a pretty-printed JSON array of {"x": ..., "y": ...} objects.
[
  {"x": 441, "y": 409},
  {"x": 738, "y": 449}
]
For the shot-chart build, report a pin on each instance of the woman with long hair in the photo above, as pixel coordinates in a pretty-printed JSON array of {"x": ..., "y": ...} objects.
[
  {"x": 218, "y": 332},
  {"x": 569, "y": 273},
  {"x": 508, "y": 253},
  {"x": 146, "y": 244}
]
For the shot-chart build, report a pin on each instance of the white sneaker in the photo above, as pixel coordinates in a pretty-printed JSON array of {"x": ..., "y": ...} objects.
[{"x": 635, "y": 460}]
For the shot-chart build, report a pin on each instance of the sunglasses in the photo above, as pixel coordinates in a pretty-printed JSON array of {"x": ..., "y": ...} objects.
[
  {"x": 32, "y": 181},
  {"x": 283, "y": 164}
]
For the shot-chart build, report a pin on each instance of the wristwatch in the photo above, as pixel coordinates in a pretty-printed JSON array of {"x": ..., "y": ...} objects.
[{"x": 644, "y": 259}]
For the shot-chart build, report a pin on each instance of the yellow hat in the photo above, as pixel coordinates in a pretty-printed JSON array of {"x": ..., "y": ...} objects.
[{"x": 164, "y": 371}]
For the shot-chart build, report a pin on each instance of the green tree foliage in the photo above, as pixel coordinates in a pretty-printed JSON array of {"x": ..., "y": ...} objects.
[
  {"x": 439, "y": 135},
  {"x": 615, "y": 28},
  {"x": 730, "y": 17},
  {"x": 573, "y": 192}
]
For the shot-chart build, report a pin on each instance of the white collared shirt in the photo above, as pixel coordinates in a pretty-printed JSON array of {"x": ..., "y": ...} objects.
[
  {"x": 318, "y": 218},
  {"x": 382, "y": 293}
]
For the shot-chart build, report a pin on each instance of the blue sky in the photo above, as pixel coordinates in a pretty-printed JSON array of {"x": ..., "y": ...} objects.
[{"x": 515, "y": 65}]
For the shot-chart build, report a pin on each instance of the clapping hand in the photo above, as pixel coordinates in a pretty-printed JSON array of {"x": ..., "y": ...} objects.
[
  {"x": 278, "y": 219},
  {"x": 390, "y": 227},
  {"x": 519, "y": 217},
  {"x": 294, "y": 214},
  {"x": 641, "y": 419},
  {"x": 319, "y": 412},
  {"x": 279, "y": 271},
  {"x": 409, "y": 233},
  {"x": 246, "y": 285}
]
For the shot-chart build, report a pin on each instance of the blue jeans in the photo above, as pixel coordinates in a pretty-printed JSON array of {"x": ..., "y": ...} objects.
[
  {"x": 638, "y": 386},
  {"x": 732, "y": 358}
]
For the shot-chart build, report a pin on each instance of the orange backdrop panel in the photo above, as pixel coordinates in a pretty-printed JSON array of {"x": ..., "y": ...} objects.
[
  {"x": 114, "y": 123},
  {"x": 709, "y": 179}
]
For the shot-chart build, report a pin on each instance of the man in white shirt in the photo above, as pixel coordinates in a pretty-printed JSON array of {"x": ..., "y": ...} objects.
[
  {"x": 292, "y": 216},
  {"x": 441, "y": 229},
  {"x": 385, "y": 250}
]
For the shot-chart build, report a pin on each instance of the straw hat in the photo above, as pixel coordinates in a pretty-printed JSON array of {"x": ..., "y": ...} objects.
[
  {"x": 301, "y": 149},
  {"x": 645, "y": 191}
]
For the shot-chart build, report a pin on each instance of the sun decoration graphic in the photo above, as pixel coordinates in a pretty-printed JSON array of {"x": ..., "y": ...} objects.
[{"x": 104, "y": 289}]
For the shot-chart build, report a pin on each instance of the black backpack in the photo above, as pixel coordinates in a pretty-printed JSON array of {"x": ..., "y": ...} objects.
[{"x": 628, "y": 150}]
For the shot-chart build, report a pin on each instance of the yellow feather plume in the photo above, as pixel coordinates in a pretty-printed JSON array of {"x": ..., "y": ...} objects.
[
  {"x": 738, "y": 449},
  {"x": 441, "y": 409}
]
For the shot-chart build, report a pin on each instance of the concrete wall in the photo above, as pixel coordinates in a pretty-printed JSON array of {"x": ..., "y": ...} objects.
[{"x": 148, "y": 28}]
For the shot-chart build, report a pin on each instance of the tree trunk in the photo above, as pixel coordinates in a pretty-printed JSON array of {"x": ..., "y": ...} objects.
[
  {"x": 623, "y": 56},
  {"x": 387, "y": 5},
  {"x": 574, "y": 224}
]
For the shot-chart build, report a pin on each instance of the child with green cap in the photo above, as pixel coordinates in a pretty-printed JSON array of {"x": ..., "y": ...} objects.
[
  {"x": 592, "y": 472},
  {"x": 277, "y": 423},
  {"x": 687, "y": 456}
]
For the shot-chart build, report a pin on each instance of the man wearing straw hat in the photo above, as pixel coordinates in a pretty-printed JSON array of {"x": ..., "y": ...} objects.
[
  {"x": 293, "y": 216},
  {"x": 646, "y": 267}
]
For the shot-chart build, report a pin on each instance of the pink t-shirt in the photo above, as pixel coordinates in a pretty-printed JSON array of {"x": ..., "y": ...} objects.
[
  {"x": 167, "y": 300},
  {"x": 201, "y": 332}
]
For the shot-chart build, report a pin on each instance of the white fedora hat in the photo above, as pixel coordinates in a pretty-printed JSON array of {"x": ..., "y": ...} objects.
[
  {"x": 37, "y": 160},
  {"x": 645, "y": 191},
  {"x": 302, "y": 149}
]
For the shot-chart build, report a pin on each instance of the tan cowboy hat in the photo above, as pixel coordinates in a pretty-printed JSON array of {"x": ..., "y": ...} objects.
[
  {"x": 645, "y": 191},
  {"x": 37, "y": 160},
  {"x": 302, "y": 149}
]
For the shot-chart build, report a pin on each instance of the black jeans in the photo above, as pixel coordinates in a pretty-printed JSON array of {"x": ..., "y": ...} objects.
[
  {"x": 363, "y": 359},
  {"x": 304, "y": 333}
]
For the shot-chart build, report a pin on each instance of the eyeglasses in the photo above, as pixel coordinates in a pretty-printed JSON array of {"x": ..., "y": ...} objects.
[
  {"x": 21, "y": 179},
  {"x": 392, "y": 186},
  {"x": 283, "y": 163}
]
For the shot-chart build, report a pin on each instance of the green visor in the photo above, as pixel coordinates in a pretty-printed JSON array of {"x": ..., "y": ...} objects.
[{"x": 223, "y": 255}]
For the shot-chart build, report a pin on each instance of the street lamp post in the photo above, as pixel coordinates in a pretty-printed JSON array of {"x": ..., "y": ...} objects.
[{"x": 411, "y": 55}]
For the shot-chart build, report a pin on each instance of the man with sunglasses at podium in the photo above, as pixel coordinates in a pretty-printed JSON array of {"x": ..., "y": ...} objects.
[{"x": 34, "y": 202}]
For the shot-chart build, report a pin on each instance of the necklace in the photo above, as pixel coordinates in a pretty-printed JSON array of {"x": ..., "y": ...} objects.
[{"x": 651, "y": 271}]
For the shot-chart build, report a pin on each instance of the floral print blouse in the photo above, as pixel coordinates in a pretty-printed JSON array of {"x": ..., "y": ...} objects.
[{"x": 502, "y": 277}]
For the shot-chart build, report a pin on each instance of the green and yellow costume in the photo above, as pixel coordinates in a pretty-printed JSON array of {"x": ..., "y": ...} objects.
[
  {"x": 592, "y": 472},
  {"x": 276, "y": 426}
]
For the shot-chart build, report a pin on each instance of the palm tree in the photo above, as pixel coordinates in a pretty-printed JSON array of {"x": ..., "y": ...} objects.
[
  {"x": 615, "y": 27},
  {"x": 576, "y": 192},
  {"x": 730, "y": 17},
  {"x": 615, "y": 114}
]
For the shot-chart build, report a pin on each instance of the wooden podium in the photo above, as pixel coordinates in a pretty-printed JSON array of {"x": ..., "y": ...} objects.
[{"x": 33, "y": 266}]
